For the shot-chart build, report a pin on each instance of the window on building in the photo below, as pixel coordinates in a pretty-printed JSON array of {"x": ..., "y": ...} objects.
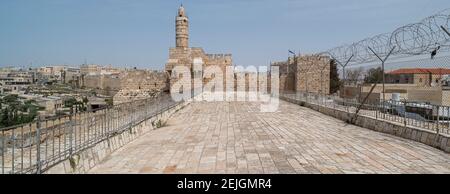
[{"x": 420, "y": 80}]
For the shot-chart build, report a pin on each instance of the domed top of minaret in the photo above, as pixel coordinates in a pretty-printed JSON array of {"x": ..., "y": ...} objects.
[{"x": 181, "y": 12}]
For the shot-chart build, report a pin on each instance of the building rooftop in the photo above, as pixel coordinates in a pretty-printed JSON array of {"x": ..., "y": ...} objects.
[{"x": 436, "y": 71}]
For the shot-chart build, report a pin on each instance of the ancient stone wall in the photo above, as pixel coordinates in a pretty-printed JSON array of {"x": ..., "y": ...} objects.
[
  {"x": 306, "y": 73},
  {"x": 186, "y": 56},
  {"x": 183, "y": 55},
  {"x": 143, "y": 80},
  {"x": 313, "y": 74},
  {"x": 102, "y": 82},
  {"x": 140, "y": 84}
]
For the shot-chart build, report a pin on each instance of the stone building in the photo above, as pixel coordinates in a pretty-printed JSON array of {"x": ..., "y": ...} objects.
[
  {"x": 106, "y": 84},
  {"x": 287, "y": 75},
  {"x": 92, "y": 72},
  {"x": 128, "y": 84},
  {"x": 93, "y": 69},
  {"x": 306, "y": 73},
  {"x": 313, "y": 74},
  {"x": 86, "y": 69},
  {"x": 144, "y": 80},
  {"x": 424, "y": 77},
  {"x": 15, "y": 81},
  {"x": 183, "y": 55}
]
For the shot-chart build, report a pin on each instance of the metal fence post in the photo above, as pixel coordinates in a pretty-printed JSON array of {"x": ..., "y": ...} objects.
[
  {"x": 13, "y": 137},
  {"x": 2, "y": 150},
  {"x": 38, "y": 145},
  {"x": 104, "y": 123},
  {"x": 377, "y": 104},
  {"x": 404, "y": 112},
  {"x": 71, "y": 132},
  {"x": 131, "y": 112},
  {"x": 346, "y": 105},
  {"x": 437, "y": 120}
]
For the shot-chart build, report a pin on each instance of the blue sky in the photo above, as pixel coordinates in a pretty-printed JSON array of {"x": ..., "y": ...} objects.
[{"x": 139, "y": 32}]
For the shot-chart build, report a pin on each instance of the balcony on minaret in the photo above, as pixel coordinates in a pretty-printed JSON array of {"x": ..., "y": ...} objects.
[{"x": 181, "y": 12}]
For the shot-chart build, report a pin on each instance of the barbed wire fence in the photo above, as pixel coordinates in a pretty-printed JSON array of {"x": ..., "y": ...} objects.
[
  {"x": 424, "y": 37},
  {"x": 401, "y": 77}
]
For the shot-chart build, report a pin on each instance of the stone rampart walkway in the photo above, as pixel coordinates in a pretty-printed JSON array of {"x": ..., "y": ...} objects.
[{"x": 234, "y": 137}]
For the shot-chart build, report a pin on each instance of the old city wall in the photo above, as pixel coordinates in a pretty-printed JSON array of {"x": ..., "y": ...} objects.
[
  {"x": 143, "y": 80},
  {"x": 104, "y": 84},
  {"x": 141, "y": 84},
  {"x": 187, "y": 56},
  {"x": 313, "y": 74},
  {"x": 308, "y": 73}
]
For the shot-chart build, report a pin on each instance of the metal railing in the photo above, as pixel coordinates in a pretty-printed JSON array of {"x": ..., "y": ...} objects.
[
  {"x": 37, "y": 146},
  {"x": 435, "y": 118}
]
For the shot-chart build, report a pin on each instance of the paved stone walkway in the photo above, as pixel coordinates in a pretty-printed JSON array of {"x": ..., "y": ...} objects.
[{"x": 236, "y": 138}]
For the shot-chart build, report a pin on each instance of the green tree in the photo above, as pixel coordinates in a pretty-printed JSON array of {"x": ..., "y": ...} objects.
[
  {"x": 17, "y": 112},
  {"x": 4, "y": 119},
  {"x": 11, "y": 98},
  {"x": 374, "y": 75},
  {"x": 109, "y": 101},
  {"x": 335, "y": 81},
  {"x": 70, "y": 102}
]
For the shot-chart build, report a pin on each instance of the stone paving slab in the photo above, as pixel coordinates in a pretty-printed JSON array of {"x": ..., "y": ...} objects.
[{"x": 234, "y": 137}]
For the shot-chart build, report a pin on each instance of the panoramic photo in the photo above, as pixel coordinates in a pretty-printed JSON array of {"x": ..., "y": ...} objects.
[{"x": 235, "y": 87}]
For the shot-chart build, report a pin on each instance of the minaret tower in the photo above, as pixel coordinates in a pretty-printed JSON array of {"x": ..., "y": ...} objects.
[{"x": 182, "y": 29}]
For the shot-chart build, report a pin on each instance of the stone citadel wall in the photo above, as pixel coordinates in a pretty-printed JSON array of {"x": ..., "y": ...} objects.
[
  {"x": 307, "y": 73},
  {"x": 141, "y": 84}
]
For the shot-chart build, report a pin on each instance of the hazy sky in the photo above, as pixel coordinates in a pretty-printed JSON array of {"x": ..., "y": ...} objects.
[{"x": 139, "y": 32}]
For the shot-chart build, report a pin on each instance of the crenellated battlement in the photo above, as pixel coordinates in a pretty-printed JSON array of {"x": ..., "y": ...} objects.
[
  {"x": 218, "y": 56},
  {"x": 313, "y": 58}
]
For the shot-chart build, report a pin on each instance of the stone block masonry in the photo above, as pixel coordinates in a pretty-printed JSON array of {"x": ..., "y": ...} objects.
[
  {"x": 306, "y": 73},
  {"x": 313, "y": 74},
  {"x": 236, "y": 138},
  {"x": 183, "y": 55},
  {"x": 140, "y": 84}
]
